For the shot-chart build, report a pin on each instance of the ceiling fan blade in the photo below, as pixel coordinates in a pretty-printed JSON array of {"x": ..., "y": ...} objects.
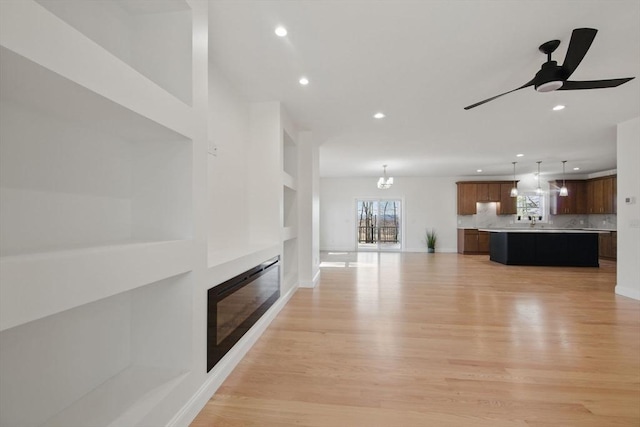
[
  {"x": 594, "y": 84},
  {"x": 530, "y": 83},
  {"x": 581, "y": 39}
]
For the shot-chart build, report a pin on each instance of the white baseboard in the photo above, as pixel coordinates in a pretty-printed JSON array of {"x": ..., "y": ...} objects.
[
  {"x": 312, "y": 283},
  {"x": 221, "y": 371},
  {"x": 628, "y": 292}
]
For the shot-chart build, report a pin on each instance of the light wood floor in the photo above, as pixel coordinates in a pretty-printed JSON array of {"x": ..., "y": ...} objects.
[{"x": 442, "y": 340}]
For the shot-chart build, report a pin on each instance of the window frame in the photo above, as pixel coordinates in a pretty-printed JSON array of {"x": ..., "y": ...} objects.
[{"x": 543, "y": 217}]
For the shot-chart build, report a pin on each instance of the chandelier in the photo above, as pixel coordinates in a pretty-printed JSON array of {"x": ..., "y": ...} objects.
[{"x": 384, "y": 182}]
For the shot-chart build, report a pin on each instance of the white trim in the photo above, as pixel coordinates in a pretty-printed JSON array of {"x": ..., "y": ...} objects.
[
  {"x": 221, "y": 371},
  {"x": 313, "y": 283},
  {"x": 628, "y": 292}
]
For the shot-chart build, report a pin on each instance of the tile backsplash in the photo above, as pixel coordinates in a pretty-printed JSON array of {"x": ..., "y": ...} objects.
[{"x": 486, "y": 217}]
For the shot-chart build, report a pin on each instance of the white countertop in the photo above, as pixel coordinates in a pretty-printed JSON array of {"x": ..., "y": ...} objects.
[{"x": 544, "y": 230}]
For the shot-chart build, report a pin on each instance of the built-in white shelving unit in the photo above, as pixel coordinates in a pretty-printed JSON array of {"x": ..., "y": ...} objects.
[
  {"x": 96, "y": 220},
  {"x": 289, "y": 209},
  {"x": 107, "y": 245},
  {"x": 153, "y": 37}
]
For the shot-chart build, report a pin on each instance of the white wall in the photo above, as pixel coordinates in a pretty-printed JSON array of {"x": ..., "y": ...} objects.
[
  {"x": 229, "y": 132},
  {"x": 309, "y": 210},
  {"x": 427, "y": 203},
  {"x": 628, "y": 283}
]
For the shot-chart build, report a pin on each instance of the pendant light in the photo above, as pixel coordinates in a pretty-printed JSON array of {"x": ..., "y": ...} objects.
[
  {"x": 564, "y": 192},
  {"x": 514, "y": 189},
  {"x": 539, "y": 190},
  {"x": 384, "y": 182}
]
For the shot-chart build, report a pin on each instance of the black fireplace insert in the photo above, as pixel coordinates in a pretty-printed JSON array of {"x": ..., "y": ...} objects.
[{"x": 237, "y": 304}]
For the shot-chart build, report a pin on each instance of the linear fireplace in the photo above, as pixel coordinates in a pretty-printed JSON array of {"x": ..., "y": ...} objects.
[{"x": 235, "y": 305}]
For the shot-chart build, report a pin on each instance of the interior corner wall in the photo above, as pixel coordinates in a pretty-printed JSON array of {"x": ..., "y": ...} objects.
[
  {"x": 427, "y": 203},
  {"x": 628, "y": 280}
]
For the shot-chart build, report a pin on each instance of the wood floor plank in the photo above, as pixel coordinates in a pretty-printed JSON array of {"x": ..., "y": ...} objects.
[{"x": 391, "y": 339}]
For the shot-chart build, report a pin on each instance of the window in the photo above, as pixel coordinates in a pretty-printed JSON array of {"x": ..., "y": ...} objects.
[{"x": 530, "y": 206}]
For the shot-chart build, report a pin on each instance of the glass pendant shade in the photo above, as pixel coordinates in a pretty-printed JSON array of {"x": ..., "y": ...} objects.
[
  {"x": 538, "y": 190},
  {"x": 514, "y": 189},
  {"x": 564, "y": 191}
]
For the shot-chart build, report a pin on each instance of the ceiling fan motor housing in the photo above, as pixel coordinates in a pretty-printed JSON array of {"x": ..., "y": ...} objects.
[{"x": 549, "y": 78}]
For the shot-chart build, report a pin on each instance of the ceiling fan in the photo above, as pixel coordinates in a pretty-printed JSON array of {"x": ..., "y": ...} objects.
[{"x": 555, "y": 77}]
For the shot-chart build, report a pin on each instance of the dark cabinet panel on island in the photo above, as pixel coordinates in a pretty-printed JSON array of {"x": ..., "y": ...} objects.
[{"x": 573, "y": 249}]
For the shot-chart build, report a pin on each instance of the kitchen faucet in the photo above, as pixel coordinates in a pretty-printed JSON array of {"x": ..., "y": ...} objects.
[{"x": 533, "y": 220}]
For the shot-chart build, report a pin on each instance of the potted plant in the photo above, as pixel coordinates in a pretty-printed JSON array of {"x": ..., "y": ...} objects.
[{"x": 431, "y": 240}]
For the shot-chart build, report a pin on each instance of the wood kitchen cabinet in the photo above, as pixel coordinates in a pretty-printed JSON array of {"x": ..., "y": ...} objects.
[
  {"x": 472, "y": 192},
  {"x": 507, "y": 205},
  {"x": 601, "y": 195},
  {"x": 473, "y": 242},
  {"x": 608, "y": 245},
  {"x": 574, "y": 203},
  {"x": 467, "y": 194},
  {"x": 488, "y": 192}
]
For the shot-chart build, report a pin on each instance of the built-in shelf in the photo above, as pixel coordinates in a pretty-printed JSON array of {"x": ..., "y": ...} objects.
[
  {"x": 289, "y": 155},
  {"x": 233, "y": 254},
  {"x": 153, "y": 37},
  {"x": 290, "y": 207},
  {"x": 97, "y": 259},
  {"x": 88, "y": 174},
  {"x": 52, "y": 282},
  {"x": 109, "y": 362},
  {"x": 87, "y": 64},
  {"x": 131, "y": 394},
  {"x": 289, "y": 181},
  {"x": 289, "y": 233}
]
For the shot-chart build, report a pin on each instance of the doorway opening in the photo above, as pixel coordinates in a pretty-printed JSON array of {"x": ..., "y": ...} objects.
[{"x": 378, "y": 225}]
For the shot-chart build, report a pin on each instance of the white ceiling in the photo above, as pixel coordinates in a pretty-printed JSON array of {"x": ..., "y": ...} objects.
[{"x": 421, "y": 62}]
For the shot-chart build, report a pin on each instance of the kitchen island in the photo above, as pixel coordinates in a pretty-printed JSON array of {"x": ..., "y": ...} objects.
[{"x": 548, "y": 247}]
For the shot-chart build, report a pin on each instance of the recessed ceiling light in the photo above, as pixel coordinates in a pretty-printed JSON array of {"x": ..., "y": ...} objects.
[
  {"x": 479, "y": 170},
  {"x": 558, "y": 108},
  {"x": 576, "y": 169},
  {"x": 519, "y": 155},
  {"x": 281, "y": 31},
  {"x": 304, "y": 81},
  {"x": 379, "y": 116}
]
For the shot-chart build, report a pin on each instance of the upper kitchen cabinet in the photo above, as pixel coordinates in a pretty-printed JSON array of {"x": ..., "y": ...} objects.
[
  {"x": 574, "y": 203},
  {"x": 487, "y": 192},
  {"x": 507, "y": 204},
  {"x": 467, "y": 198},
  {"x": 601, "y": 195},
  {"x": 472, "y": 192}
]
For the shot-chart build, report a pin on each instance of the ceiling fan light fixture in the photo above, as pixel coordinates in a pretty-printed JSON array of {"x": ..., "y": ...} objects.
[{"x": 550, "y": 86}]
